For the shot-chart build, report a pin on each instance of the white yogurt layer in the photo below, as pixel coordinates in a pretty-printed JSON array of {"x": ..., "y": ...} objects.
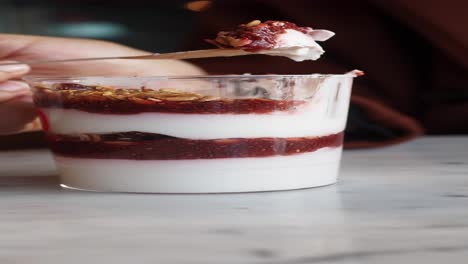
[
  {"x": 196, "y": 126},
  {"x": 324, "y": 114},
  {"x": 299, "y": 46},
  {"x": 202, "y": 176}
]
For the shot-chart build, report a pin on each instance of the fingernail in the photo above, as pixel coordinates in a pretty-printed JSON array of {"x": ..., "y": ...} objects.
[
  {"x": 14, "y": 68},
  {"x": 13, "y": 86}
]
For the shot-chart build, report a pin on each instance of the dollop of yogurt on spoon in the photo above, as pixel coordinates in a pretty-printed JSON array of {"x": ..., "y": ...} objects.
[{"x": 275, "y": 38}]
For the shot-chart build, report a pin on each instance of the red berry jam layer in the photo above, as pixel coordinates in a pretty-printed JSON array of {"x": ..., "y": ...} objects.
[
  {"x": 256, "y": 35},
  {"x": 148, "y": 146},
  {"x": 108, "y": 100}
]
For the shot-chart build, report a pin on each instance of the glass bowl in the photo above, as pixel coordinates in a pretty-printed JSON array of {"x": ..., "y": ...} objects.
[{"x": 194, "y": 134}]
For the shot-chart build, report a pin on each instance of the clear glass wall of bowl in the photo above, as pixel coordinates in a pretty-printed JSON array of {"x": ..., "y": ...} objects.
[{"x": 195, "y": 134}]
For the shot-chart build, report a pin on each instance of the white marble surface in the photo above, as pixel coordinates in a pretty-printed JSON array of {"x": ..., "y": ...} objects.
[
  {"x": 26, "y": 163},
  {"x": 404, "y": 204}
]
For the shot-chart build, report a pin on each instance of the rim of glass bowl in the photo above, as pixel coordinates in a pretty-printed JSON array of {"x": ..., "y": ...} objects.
[{"x": 39, "y": 78}]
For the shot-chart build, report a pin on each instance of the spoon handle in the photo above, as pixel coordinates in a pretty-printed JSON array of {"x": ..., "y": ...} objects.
[{"x": 182, "y": 55}]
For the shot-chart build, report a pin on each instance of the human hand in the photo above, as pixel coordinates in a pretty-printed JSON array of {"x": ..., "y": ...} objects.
[{"x": 16, "y": 109}]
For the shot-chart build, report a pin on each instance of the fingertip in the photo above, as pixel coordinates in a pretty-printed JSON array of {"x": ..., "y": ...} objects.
[
  {"x": 12, "y": 71},
  {"x": 14, "y": 86},
  {"x": 8, "y": 66},
  {"x": 13, "y": 89}
]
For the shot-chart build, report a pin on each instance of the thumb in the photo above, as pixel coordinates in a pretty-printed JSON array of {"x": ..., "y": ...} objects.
[{"x": 26, "y": 47}]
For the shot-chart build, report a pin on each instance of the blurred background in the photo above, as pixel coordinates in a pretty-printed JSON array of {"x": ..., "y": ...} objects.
[
  {"x": 414, "y": 52},
  {"x": 150, "y": 25}
]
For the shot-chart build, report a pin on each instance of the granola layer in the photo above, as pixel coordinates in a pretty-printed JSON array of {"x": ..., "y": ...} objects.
[{"x": 109, "y": 100}]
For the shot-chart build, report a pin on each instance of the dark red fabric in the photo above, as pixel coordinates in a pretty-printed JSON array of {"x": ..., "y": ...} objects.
[{"x": 381, "y": 114}]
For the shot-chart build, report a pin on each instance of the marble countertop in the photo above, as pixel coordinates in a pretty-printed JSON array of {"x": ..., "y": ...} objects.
[{"x": 402, "y": 204}]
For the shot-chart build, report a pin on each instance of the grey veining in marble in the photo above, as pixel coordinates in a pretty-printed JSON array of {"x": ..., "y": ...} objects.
[{"x": 403, "y": 204}]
